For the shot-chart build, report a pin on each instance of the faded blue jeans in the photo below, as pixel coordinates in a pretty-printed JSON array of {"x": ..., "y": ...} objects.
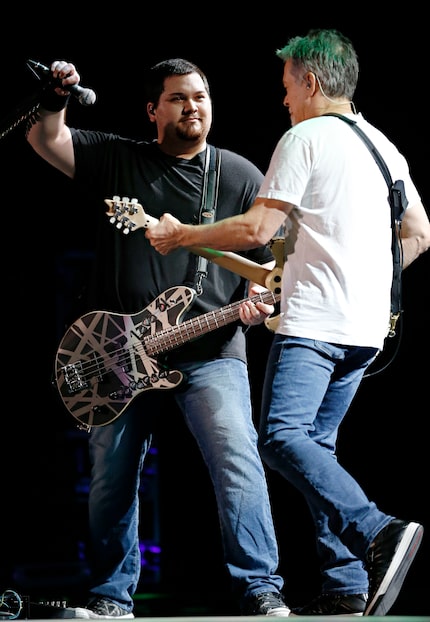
[
  {"x": 216, "y": 404},
  {"x": 308, "y": 389}
]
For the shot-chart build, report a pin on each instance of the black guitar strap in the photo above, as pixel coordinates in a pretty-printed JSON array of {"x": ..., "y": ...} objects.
[
  {"x": 398, "y": 203},
  {"x": 208, "y": 206}
]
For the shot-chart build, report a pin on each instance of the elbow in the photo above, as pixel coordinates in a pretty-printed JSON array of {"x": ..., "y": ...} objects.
[
  {"x": 426, "y": 240},
  {"x": 424, "y": 245},
  {"x": 417, "y": 245},
  {"x": 423, "y": 240}
]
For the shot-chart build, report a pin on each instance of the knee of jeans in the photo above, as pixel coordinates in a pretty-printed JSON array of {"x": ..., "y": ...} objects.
[
  {"x": 279, "y": 448},
  {"x": 267, "y": 449}
]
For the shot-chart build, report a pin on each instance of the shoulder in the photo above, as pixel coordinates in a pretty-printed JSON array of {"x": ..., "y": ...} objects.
[
  {"x": 237, "y": 164},
  {"x": 317, "y": 126},
  {"x": 319, "y": 134},
  {"x": 308, "y": 135},
  {"x": 91, "y": 136},
  {"x": 94, "y": 137},
  {"x": 374, "y": 133}
]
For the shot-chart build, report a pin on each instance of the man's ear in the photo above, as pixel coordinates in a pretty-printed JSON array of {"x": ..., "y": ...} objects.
[{"x": 311, "y": 81}]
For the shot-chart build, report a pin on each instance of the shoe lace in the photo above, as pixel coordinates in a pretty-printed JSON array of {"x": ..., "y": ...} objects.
[
  {"x": 270, "y": 600},
  {"x": 102, "y": 606}
]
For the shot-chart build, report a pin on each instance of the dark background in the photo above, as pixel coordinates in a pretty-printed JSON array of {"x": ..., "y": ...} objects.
[{"x": 47, "y": 240}]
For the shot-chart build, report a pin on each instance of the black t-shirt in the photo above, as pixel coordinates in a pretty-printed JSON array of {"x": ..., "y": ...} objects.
[{"x": 128, "y": 273}]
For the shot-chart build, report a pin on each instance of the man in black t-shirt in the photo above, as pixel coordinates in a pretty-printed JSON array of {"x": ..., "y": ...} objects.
[{"x": 130, "y": 276}]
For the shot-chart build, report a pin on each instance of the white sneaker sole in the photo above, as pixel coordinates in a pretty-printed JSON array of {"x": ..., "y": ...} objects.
[
  {"x": 392, "y": 583},
  {"x": 80, "y": 613}
]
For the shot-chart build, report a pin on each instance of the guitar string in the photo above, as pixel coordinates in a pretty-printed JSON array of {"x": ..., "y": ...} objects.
[{"x": 148, "y": 345}]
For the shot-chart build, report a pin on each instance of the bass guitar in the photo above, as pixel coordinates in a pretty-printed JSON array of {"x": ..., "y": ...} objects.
[{"x": 107, "y": 359}]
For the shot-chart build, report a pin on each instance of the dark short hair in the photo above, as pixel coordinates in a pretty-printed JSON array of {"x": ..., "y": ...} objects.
[{"x": 156, "y": 75}]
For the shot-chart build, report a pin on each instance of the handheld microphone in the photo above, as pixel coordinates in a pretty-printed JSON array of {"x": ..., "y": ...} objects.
[{"x": 85, "y": 96}]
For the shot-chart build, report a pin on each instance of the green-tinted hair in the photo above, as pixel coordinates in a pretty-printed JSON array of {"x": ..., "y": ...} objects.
[{"x": 328, "y": 54}]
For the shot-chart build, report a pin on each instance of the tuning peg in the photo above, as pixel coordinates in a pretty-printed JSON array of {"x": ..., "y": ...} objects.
[{"x": 133, "y": 206}]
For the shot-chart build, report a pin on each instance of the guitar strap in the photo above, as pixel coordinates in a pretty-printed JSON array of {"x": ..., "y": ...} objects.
[
  {"x": 398, "y": 203},
  {"x": 208, "y": 206}
]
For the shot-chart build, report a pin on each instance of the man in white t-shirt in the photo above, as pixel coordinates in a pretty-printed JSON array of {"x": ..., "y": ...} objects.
[{"x": 325, "y": 188}]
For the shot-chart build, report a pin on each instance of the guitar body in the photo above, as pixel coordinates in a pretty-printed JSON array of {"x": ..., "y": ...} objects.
[{"x": 106, "y": 359}]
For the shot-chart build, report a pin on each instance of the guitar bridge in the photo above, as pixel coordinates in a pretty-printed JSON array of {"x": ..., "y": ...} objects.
[{"x": 73, "y": 377}]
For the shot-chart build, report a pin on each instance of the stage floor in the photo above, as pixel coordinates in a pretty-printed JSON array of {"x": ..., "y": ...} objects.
[
  {"x": 199, "y": 618},
  {"x": 169, "y": 607},
  {"x": 36, "y": 612}
]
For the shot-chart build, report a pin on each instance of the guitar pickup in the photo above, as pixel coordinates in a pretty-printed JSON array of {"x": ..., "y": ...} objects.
[{"x": 73, "y": 376}]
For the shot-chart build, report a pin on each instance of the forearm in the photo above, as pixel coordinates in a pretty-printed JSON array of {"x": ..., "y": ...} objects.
[
  {"x": 233, "y": 233},
  {"x": 236, "y": 233}
]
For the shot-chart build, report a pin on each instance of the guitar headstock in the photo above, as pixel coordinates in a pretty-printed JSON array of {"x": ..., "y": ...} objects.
[{"x": 127, "y": 214}]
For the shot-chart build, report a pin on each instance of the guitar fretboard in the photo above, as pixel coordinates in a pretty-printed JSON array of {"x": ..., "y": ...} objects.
[{"x": 177, "y": 335}]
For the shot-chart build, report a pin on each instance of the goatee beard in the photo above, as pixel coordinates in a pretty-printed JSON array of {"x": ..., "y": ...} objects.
[{"x": 191, "y": 136}]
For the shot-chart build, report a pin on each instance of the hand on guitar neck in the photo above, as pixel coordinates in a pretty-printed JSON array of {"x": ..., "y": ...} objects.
[{"x": 128, "y": 215}]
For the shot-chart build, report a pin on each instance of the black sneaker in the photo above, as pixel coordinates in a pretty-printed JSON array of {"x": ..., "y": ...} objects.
[
  {"x": 334, "y": 605},
  {"x": 388, "y": 560},
  {"x": 96, "y": 608},
  {"x": 266, "y": 604}
]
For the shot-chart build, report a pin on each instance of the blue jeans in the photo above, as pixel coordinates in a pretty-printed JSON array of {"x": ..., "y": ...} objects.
[
  {"x": 216, "y": 404},
  {"x": 308, "y": 389}
]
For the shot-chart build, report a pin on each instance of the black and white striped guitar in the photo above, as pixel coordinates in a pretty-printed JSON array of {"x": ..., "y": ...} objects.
[{"x": 106, "y": 359}]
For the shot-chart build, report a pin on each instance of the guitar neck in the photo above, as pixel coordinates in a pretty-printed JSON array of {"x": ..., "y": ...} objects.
[
  {"x": 177, "y": 335},
  {"x": 130, "y": 215},
  {"x": 235, "y": 263}
]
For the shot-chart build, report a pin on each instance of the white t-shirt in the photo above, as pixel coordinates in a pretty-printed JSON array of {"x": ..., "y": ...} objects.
[{"x": 338, "y": 270}]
